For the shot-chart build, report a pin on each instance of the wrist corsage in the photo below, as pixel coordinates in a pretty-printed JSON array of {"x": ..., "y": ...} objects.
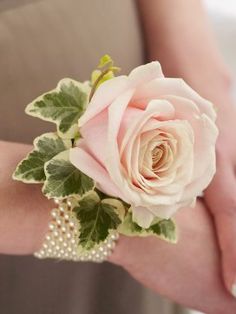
[{"x": 127, "y": 154}]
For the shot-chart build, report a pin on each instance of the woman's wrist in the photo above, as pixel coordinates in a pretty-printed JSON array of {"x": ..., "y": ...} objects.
[{"x": 25, "y": 212}]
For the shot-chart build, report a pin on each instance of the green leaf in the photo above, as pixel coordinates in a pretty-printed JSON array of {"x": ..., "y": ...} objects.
[
  {"x": 105, "y": 61},
  {"x": 63, "y": 106},
  {"x": 96, "y": 74},
  {"x": 162, "y": 228},
  {"x": 63, "y": 179},
  {"x": 46, "y": 146},
  {"x": 165, "y": 229},
  {"x": 97, "y": 217}
]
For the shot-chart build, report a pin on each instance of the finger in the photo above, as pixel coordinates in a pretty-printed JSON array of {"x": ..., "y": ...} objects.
[{"x": 221, "y": 199}]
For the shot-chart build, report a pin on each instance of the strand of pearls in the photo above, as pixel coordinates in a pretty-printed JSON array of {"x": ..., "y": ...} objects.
[{"x": 61, "y": 241}]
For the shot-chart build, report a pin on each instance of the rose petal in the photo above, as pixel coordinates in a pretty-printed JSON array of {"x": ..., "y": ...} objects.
[
  {"x": 142, "y": 216},
  {"x": 145, "y": 73},
  {"x": 104, "y": 96},
  {"x": 83, "y": 161},
  {"x": 94, "y": 133},
  {"x": 172, "y": 86}
]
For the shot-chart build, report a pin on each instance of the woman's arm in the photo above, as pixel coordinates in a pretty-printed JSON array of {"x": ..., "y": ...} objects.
[
  {"x": 187, "y": 272},
  {"x": 24, "y": 211},
  {"x": 178, "y": 35}
]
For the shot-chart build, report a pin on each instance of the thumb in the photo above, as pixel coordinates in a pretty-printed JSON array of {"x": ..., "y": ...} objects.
[{"x": 221, "y": 200}]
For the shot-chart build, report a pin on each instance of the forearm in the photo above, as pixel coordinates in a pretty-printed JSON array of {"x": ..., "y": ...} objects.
[
  {"x": 24, "y": 211},
  {"x": 178, "y": 34}
]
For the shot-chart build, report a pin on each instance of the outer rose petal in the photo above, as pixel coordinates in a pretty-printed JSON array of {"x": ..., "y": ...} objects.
[
  {"x": 142, "y": 216},
  {"x": 145, "y": 73},
  {"x": 110, "y": 89},
  {"x": 94, "y": 134},
  {"x": 173, "y": 86},
  {"x": 104, "y": 96},
  {"x": 83, "y": 161},
  {"x": 205, "y": 162}
]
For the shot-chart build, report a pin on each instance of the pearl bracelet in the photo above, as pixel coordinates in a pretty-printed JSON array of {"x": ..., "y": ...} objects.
[{"x": 61, "y": 241}]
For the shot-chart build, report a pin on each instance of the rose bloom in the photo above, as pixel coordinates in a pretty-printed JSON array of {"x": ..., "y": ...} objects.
[{"x": 149, "y": 140}]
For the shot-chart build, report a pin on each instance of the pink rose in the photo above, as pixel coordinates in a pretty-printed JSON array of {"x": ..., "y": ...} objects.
[{"x": 148, "y": 140}]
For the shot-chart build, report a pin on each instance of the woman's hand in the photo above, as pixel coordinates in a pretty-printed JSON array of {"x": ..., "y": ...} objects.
[
  {"x": 181, "y": 39},
  {"x": 187, "y": 272},
  {"x": 221, "y": 194}
]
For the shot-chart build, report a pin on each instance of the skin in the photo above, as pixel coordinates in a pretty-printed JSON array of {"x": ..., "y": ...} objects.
[
  {"x": 188, "y": 272},
  {"x": 178, "y": 34}
]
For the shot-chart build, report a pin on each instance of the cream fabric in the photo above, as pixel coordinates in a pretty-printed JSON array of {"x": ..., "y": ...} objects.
[{"x": 41, "y": 42}]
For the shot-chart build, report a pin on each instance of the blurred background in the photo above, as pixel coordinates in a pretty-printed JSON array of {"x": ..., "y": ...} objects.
[{"x": 42, "y": 41}]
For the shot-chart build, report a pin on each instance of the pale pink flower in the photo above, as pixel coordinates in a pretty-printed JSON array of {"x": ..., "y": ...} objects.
[{"x": 149, "y": 140}]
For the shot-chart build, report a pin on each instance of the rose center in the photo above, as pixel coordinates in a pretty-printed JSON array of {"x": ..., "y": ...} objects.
[
  {"x": 161, "y": 157},
  {"x": 157, "y": 155}
]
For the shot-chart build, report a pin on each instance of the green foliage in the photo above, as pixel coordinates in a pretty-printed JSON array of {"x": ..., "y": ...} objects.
[
  {"x": 63, "y": 179},
  {"x": 162, "y": 228},
  {"x": 105, "y": 61},
  {"x": 97, "y": 76},
  {"x": 97, "y": 217},
  {"x": 63, "y": 106},
  {"x": 105, "y": 71},
  {"x": 46, "y": 146},
  {"x": 165, "y": 229}
]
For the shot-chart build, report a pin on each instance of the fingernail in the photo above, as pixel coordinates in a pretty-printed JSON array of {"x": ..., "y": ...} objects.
[{"x": 233, "y": 290}]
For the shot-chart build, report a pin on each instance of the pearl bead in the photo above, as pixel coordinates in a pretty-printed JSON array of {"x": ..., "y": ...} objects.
[
  {"x": 51, "y": 226},
  {"x": 63, "y": 229},
  {"x": 57, "y": 201},
  {"x": 69, "y": 203},
  {"x": 59, "y": 222},
  {"x": 56, "y": 234},
  {"x": 62, "y": 209},
  {"x": 67, "y": 217}
]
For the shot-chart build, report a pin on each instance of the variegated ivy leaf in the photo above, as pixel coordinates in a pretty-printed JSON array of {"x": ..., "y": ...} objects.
[
  {"x": 63, "y": 179},
  {"x": 97, "y": 217},
  {"x": 46, "y": 146},
  {"x": 162, "y": 228},
  {"x": 63, "y": 106}
]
